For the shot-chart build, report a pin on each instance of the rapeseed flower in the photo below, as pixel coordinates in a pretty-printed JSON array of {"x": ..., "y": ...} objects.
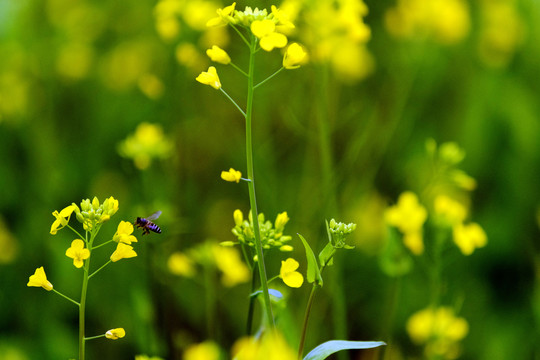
[
  {"x": 289, "y": 275},
  {"x": 271, "y": 237},
  {"x": 451, "y": 211},
  {"x": 224, "y": 16},
  {"x": 180, "y": 264},
  {"x": 439, "y": 329},
  {"x": 218, "y": 55},
  {"x": 272, "y": 346},
  {"x": 269, "y": 38},
  {"x": 123, "y": 251},
  {"x": 39, "y": 279},
  {"x": 295, "y": 55},
  {"x": 408, "y": 215},
  {"x": 231, "y": 175},
  {"x": 124, "y": 233},
  {"x": 207, "y": 350},
  {"x": 229, "y": 262},
  {"x": 78, "y": 253},
  {"x": 62, "y": 218},
  {"x": 468, "y": 237},
  {"x": 210, "y": 77},
  {"x": 115, "y": 334}
]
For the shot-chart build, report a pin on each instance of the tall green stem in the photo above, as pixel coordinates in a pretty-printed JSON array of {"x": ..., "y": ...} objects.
[
  {"x": 251, "y": 186},
  {"x": 306, "y": 319},
  {"x": 82, "y": 308}
]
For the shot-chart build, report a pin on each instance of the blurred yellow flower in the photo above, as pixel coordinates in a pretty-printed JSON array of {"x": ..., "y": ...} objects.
[
  {"x": 469, "y": 237},
  {"x": 210, "y": 77},
  {"x": 289, "y": 275},
  {"x": 281, "y": 220},
  {"x": 408, "y": 215},
  {"x": 231, "y": 175},
  {"x": 115, "y": 334},
  {"x": 123, "y": 233},
  {"x": 439, "y": 329},
  {"x": 218, "y": 55},
  {"x": 62, "y": 218},
  {"x": 9, "y": 246},
  {"x": 229, "y": 262},
  {"x": 295, "y": 55},
  {"x": 123, "y": 251},
  {"x": 224, "y": 16},
  {"x": 151, "y": 86},
  {"x": 272, "y": 346},
  {"x": 39, "y": 279},
  {"x": 180, "y": 264},
  {"x": 450, "y": 210},
  {"x": 147, "y": 143},
  {"x": 78, "y": 253},
  {"x": 207, "y": 350}
]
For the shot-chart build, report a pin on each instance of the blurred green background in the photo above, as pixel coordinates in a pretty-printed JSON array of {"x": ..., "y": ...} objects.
[{"x": 340, "y": 137}]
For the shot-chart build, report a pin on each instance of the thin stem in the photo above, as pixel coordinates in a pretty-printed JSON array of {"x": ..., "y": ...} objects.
[
  {"x": 241, "y": 35},
  {"x": 95, "y": 272},
  {"x": 251, "y": 308},
  {"x": 251, "y": 187},
  {"x": 66, "y": 297},
  {"x": 234, "y": 102},
  {"x": 306, "y": 319},
  {"x": 100, "y": 245},
  {"x": 82, "y": 308},
  {"x": 94, "y": 337},
  {"x": 237, "y": 68},
  {"x": 76, "y": 232},
  {"x": 268, "y": 78}
]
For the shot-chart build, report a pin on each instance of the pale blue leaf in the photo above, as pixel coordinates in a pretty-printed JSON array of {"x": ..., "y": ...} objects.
[{"x": 326, "y": 349}]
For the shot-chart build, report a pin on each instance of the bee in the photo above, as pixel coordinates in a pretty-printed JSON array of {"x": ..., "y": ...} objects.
[{"x": 147, "y": 225}]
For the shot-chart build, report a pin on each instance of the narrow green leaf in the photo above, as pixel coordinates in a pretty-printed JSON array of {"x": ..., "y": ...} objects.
[
  {"x": 326, "y": 349},
  {"x": 313, "y": 271},
  {"x": 326, "y": 255}
]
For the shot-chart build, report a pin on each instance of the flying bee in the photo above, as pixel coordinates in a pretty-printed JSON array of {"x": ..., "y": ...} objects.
[{"x": 147, "y": 225}]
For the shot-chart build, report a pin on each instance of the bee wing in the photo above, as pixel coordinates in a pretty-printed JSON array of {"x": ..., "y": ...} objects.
[{"x": 154, "y": 216}]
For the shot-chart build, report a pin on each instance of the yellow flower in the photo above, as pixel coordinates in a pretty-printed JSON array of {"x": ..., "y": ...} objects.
[
  {"x": 39, "y": 279},
  {"x": 210, "y": 77},
  {"x": 289, "y": 275},
  {"x": 408, "y": 215},
  {"x": 281, "y": 220},
  {"x": 123, "y": 251},
  {"x": 269, "y": 39},
  {"x": 294, "y": 56},
  {"x": 230, "y": 263},
  {"x": 469, "y": 237},
  {"x": 180, "y": 264},
  {"x": 224, "y": 16},
  {"x": 115, "y": 334},
  {"x": 207, "y": 350},
  {"x": 239, "y": 217},
  {"x": 272, "y": 346},
  {"x": 147, "y": 143},
  {"x": 449, "y": 209},
  {"x": 219, "y": 55},
  {"x": 78, "y": 253},
  {"x": 62, "y": 218},
  {"x": 439, "y": 329},
  {"x": 123, "y": 233},
  {"x": 231, "y": 175}
]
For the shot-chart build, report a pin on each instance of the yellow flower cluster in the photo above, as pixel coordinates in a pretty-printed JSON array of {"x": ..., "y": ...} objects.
[
  {"x": 444, "y": 21},
  {"x": 440, "y": 330},
  {"x": 272, "y": 346},
  {"x": 335, "y": 33},
  {"x": 147, "y": 143},
  {"x": 271, "y": 234}
]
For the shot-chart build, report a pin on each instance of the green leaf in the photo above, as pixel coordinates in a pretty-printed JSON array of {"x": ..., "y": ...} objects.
[
  {"x": 326, "y": 257},
  {"x": 313, "y": 271},
  {"x": 328, "y": 348}
]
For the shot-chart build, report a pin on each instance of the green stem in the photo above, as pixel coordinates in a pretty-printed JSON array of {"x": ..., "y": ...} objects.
[
  {"x": 82, "y": 308},
  {"x": 234, "y": 102},
  {"x": 100, "y": 245},
  {"x": 66, "y": 297},
  {"x": 238, "y": 68},
  {"x": 95, "y": 272},
  {"x": 75, "y": 231},
  {"x": 268, "y": 78},
  {"x": 94, "y": 337},
  {"x": 306, "y": 319},
  {"x": 241, "y": 35},
  {"x": 251, "y": 308},
  {"x": 251, "y": 186}
]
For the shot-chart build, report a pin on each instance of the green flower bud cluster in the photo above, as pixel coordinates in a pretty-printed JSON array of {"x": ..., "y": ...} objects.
[
  {"x": 92, "y": 212},
  {"x": 271, "y": 234},
  {"x": 339, "y": 232}
]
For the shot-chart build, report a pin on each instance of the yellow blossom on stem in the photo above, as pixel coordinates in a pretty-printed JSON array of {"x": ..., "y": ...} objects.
[
  {"x": 78, "y": 253},
  {"x": 115, "y": 334},
  {"x": 452, "y": 211},
  {"x": 239, "y": 217},
  {"x": 180, "y": 264},
  {"x": 210, "y": 77},
  {"x": 269, "y": 39},
  {"x": 294, "y": 56},
  {"x": 207, "y": 350},
  {"x": 224, "y": 16},
  {"x": 289, "y": 275},
  {"x": 218, "y": 55},
  {"x": 123, "y": 251},
  {"x": 231, "y": 175},
  {"x": 39, "y": 279},
  {"x": 62, "y": 218},
  {"x": 469, "y": 237},
  {"x": 230, "y": 263},
  {"x": 123, "y": 233},
  {"x": 281, "y": 220},
  {"x": 408, "y": 215}
]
